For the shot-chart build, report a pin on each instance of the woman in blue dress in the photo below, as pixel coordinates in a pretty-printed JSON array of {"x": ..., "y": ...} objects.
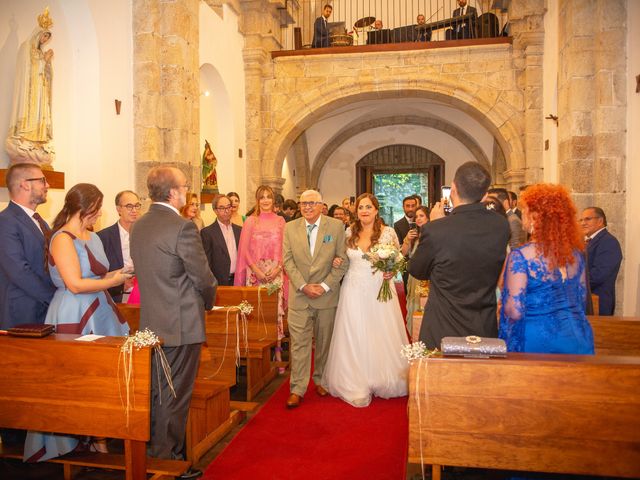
[
  {"x": 81, "y": 305},
  {"x": 543, "y": 299}
]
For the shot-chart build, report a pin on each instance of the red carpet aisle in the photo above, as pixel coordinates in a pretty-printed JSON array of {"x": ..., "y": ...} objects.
[{"x": 322, "y": 439}]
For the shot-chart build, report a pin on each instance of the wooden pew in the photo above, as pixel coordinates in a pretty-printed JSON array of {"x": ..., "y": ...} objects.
[
  {"x": 58, "y": 384},
  {"x": 259, "y": 327},
  {"x": 616, "y": 335},
  {"x": 210, "y": 414},
  {"x": 255, "y": 349},
  {"x": 546, "y": 413}
]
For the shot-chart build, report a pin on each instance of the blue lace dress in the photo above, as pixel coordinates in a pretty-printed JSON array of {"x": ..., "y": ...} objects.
[{"x": 542, "y": 309}]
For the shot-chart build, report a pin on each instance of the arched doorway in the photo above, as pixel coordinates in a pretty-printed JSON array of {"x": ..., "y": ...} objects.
[{"x": 396, "y": 171}]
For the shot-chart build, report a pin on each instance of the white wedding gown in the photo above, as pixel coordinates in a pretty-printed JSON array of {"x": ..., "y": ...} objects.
[{"x": 364, "y": 356}]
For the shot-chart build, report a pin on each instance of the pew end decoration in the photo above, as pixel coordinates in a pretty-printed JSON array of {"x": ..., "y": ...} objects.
[
  {"x": 242, "y": 311},
  {"x": 416, "y": 351},
  {"x": 141, "y": 339}
]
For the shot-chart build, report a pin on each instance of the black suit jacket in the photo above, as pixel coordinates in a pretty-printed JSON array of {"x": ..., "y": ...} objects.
[
  {"x": 402, "y": 228},
  {"x": 215, "y": 248},
  {"x": 320, "y": 33},
  {"x": 469, "y": 28},
  {"x": 110, "y": 237},
  {"x": 25, "y": 287},
  {"x": 604, "y": 255},
  {"x": 462, "y": 255}
]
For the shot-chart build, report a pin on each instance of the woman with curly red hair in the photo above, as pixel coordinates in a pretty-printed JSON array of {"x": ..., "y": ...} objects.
[{"x": 543, "y": 299}]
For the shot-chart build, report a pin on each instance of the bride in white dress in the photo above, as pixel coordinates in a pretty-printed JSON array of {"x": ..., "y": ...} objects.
[{"x": 364, "y": 356}]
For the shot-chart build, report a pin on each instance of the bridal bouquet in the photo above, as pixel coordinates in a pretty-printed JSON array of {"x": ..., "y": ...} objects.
[{"x": 385, "y": 258}]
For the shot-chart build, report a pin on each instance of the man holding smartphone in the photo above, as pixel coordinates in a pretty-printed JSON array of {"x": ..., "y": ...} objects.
[{"x": 462, "y": 254}]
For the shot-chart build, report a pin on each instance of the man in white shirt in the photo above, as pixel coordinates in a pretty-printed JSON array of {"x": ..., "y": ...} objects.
[
  {"x": 220, "y": 241},
  {"x": 115, "y": 240}
]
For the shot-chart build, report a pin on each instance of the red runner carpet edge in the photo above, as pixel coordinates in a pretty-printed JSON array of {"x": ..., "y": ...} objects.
[{"x": 324, "y": 438}]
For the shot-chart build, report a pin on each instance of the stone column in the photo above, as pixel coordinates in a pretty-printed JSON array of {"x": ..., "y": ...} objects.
[
  {"x": 592, "y": 108},
  {"x": 166, "y": 88},
  {"x": 256, "y": 24},
  {"x": 303, "y": 170},
  {"x": 527, "y": 25}
]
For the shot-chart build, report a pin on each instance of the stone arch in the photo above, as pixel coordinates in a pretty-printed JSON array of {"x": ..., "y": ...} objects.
[
  {"x": 420, "y": 120},
  {"x": 498, "y": 113}
]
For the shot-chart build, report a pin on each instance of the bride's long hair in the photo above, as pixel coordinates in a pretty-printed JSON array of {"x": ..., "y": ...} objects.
[{"x": 356, "y": 226}]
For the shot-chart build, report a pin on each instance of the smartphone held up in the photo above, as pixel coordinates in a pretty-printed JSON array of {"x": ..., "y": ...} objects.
[{"x": 445, "y": 198}]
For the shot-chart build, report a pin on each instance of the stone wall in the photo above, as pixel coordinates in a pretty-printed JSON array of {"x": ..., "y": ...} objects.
[
  {"x": 480, "y": 81},
  {"x": 592, "y": 108},
  {"x": 166, "y": 87}
]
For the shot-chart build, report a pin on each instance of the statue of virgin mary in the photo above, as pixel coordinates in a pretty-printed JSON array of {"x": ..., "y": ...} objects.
[{"x": 30, "y": 129}]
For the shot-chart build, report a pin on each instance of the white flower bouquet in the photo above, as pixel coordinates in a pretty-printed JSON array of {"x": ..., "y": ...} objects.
[{"x": 385, "y": 258}]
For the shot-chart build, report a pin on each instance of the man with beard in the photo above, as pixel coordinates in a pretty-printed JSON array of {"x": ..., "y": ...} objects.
[
  {"x": 25, "y": 286},
  {"x": 176, "y": 285}
]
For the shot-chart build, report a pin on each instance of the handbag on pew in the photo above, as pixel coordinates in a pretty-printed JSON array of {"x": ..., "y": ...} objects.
[
  {"x": 35, "y": 330},
  {"x": 473, "y": 346}
]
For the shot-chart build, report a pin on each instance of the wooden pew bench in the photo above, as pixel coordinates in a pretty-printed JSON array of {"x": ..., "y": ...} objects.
[
  {"x": 545, "y": 413},
  {"x": 255, "y": 353},
  {"x": 616, "y": 335},
  {"x": 58, "y": 384},
  {"x": 210, "y": 414}
]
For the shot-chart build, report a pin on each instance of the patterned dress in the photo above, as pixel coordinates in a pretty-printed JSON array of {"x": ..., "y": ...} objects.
[{"x": 542, "y": 308}]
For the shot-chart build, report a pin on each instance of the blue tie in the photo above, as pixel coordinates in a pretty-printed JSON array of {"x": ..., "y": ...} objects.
[{"x": 309, "y": 231}]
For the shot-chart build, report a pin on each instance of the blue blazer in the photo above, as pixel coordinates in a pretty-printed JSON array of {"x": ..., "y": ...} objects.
[
  {"x": 25, "y": 287},
  {"x": 320, "y": 33},
  {"x": 110, "y": 237},
  {"x": 216, "y": 251},
  {"x": 604, "y": 255}
]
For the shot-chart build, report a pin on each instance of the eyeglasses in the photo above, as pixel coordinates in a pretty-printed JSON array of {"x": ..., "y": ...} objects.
[
  {"x": 132, "y": 206},
  {"x": 38, "y": 179},
  {"x": 586, "y": 219},
  {"x": 309, "y": 204},
  {"x": 224, "y": 209}
]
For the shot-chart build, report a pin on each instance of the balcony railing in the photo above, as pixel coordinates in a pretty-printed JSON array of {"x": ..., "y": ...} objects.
[{"x": 367, "y": 22}]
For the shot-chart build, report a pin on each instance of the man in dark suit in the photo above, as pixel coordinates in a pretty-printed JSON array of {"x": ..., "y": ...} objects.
[
  {"x": 402, "y": 226},
  {"x": 25, "y": 287},
  {"x": 176, "y": 286},
  {"x": 604, "y": 256},
  {"x": 115, "y": 240},
  {"x": 465, "y": 29},
  {"x": 321, "y": 29},
  {"x": 220, "y": 241},
  {"x": 462, "y": 254}
]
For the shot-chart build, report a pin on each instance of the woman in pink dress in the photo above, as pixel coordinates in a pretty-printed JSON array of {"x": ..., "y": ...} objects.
[{"x": 260, "y": 253}]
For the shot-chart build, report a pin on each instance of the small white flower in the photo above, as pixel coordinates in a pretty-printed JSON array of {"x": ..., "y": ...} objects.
[{"x": 383, "y": 254}]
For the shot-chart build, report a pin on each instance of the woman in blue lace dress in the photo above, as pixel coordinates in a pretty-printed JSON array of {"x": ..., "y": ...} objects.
[{"x": 543, "y": 299}]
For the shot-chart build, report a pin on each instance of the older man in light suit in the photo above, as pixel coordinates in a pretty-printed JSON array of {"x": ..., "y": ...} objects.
[
  {"x": 176, "y": 285},
  {"x": 311, "y": 243}
]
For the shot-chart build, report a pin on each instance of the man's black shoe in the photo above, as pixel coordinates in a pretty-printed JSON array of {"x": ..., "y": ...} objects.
[{"x": 190, "y": 474}]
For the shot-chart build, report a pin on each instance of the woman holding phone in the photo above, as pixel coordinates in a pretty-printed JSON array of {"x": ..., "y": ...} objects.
[{"x": 409, "y": 246}]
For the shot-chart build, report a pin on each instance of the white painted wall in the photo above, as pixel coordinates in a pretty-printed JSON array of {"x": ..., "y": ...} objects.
[
  {"x": 288, "y": 173},
  {"x": 91, "y": 40},
  {"x": 338, "y": 176},
  {"x": 632, "y": 247},
  {"x": 222, "y": 113}
]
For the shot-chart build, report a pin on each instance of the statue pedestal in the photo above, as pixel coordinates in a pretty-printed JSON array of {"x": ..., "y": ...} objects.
[{"x": 55, "y": 179}]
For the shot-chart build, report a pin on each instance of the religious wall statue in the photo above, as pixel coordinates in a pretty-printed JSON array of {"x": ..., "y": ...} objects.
[
  {"x": 209, "y": 175},
  {"x": 30, "y": 128}
]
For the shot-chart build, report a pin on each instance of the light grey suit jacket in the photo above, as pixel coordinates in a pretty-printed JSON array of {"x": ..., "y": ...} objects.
[
  {"x": 302, "y": 267},
  {"x": 176, "y": 284}
]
